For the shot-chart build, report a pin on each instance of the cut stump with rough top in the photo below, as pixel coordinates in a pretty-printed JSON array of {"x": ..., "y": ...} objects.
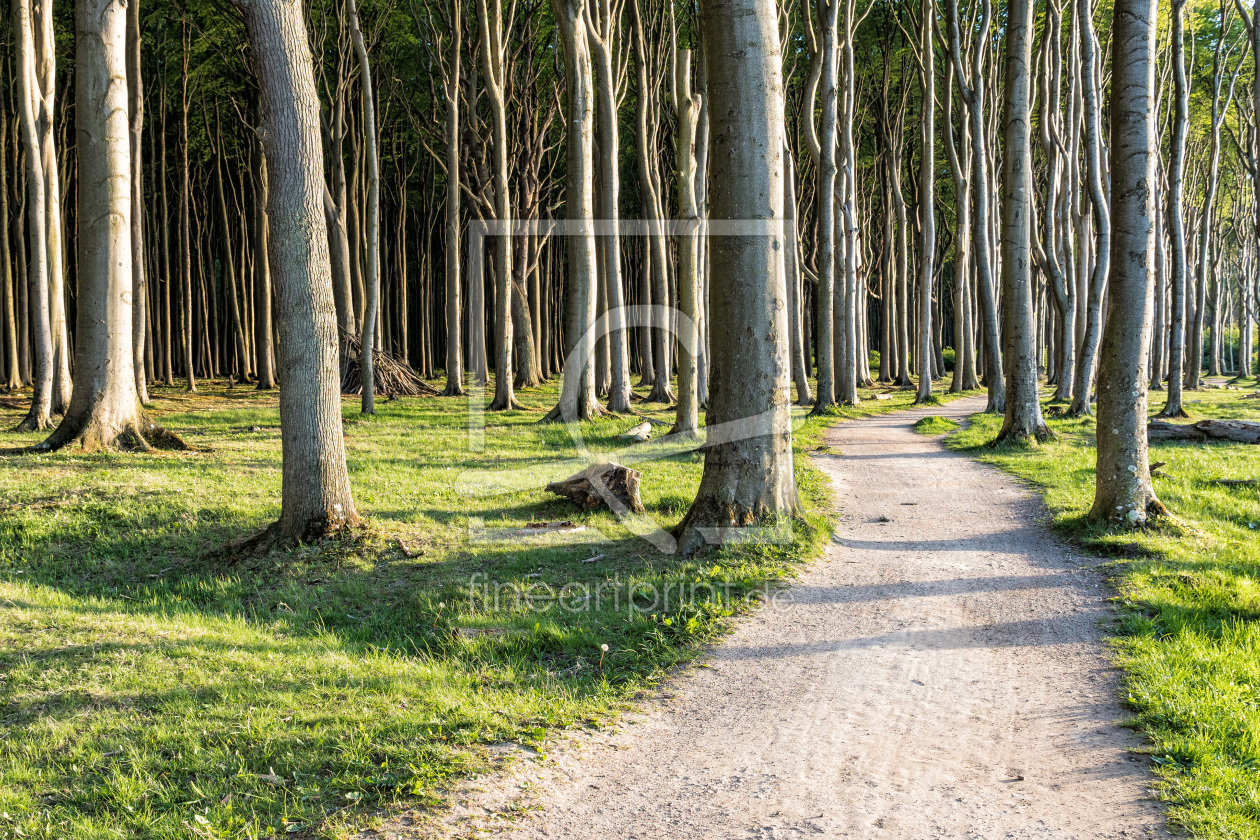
[{"x": 602, "y": 485}]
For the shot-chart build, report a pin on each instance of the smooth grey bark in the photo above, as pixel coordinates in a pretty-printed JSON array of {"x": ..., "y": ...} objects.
[
  {"x": 104, "y": 412},
  {"x": 927, "y": 196},
  {"x": 1124, "y": 495},
  {"x": 315, "y": 485},
  {"x": 578, "y": 400},
  {"x": 12, "y": 353},
  {"x": 825, "y": 316},
  {"x": 44, "y": 91},
  {"x": 748, "y": 478},
  {"x": 40, "y": 415},
  {"x": 1023, "y": 418},
  {"x": 264, "y": 341},
  {"x": 454, "y": 245},
  {"x": 972, "y": 89},
  {"x": 959, "y": 156},
  {"x": 1176, "y": 211},
  {"x": 1102, "y": 223},
  {"x": 494, "y": 57},
  {"x": 1049, "y": 248},
  {"x": 372, "y": 239},
  {"x": 656, "y": 260},
  {"x": 795, "y": 282},
  {"x": 602, "y": 23},
  {"x": 687, "y": 106},
  {"x": 139, "y": 282}
]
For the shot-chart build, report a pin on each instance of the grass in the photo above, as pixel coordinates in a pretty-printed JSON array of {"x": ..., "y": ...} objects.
[
  {"x": 1188, "y": 599},
  {"x": 935, "y": 425},
  {"x": 150, "y": 690}
]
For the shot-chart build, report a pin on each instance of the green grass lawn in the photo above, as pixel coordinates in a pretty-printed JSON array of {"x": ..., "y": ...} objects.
[
  {"x": 151, "y": 688},
  {"x": 1189, "y": 598}
]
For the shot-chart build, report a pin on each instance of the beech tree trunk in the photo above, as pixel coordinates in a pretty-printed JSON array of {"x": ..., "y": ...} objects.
[
  {"x": 825, "y": 317},
  {"x": 927, "y": 197},
  {"x": 748, "y": 476},
  {"x": 578, "y": 400},
  {"x": 40, "y": 415},
  {"x": 1023, "y": 406},
  {"x": 1124, "y": 495},
  {"x": 688, "y": 107},
  {"x": 104, "y": 412},
  {"x": 139, "y": 282},
  {"x": 1176, "y": 222},
  {"x": 373, "y": 244},
  {"x": 316, "y": 497}
]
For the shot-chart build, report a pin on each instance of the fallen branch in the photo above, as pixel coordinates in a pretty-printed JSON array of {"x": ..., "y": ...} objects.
[{"x": 1238, "y": 431}]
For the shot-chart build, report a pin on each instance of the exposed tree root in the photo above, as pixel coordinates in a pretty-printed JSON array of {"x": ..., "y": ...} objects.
[
  {"x": 89, "y": 435},
  {"x": 273, "y": 538}
]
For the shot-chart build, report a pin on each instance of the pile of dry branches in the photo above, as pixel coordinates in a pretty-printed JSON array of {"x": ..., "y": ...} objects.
[{"x": 394, "y": 377}]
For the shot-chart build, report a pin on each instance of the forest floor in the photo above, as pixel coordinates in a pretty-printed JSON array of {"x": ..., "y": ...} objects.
[
  {"x": 154, "y": 686},
  {"x": 939, "y": 673}
]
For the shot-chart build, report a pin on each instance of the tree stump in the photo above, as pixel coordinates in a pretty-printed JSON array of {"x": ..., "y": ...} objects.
[{"x": 602, "y": 485}]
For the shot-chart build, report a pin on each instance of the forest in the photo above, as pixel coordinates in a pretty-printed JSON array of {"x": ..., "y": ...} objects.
[{"x": 343, "y": 341}]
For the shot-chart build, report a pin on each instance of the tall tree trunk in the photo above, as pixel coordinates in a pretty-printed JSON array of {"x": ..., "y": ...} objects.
[
  {"x": 602, "y": 24},
  {"x": 315, "y": 484},
  {"x": 185, "y": 223},
  {"x": 577, "y": 390},
  {"x": 1124, "y": 495},
  {"x": 1094, "y": 178},
  {"x": 105, "y": 410},
  {"x": 139, "y": 282},
  {"x": 748, "y": 479},
  {"x": 1023, "y": 407},
  {"x": 1176, "y": 221},
  {"x": 825, "y": 317},
  {"x": 373, "y": 240},
  {"x": 40, "y": 415},
  {"x": 264, "y": 344},
  {"x": 494, "y": 60},
  {"x": 454, "y": 246},
  {"x": 687, "y": 104},
  {"x": 12, "y": 369},
  {"x": 927, "y": 194}
]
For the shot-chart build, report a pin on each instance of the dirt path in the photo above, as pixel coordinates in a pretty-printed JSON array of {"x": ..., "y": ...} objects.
[{"x": 937, "y": 675}]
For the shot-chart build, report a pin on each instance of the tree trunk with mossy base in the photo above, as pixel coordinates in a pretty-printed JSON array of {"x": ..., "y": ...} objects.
[
  {"x": 315, "y": 486},
  {"x": 1023, "y": 407},
  {"x": 748, "y": 479},
  {"x": 1124, "y": 495},
  {"x": 104, "y": 411}
]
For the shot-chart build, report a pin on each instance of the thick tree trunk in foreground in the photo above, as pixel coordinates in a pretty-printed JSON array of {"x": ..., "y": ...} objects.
[
  {"x": 1023, "y": 407},
  {"x": 748, "y": 478},
  {"x": 1124, "y": 495},
  {"x": 104, "y": 412},
  {"x": 315, "y": 488}
]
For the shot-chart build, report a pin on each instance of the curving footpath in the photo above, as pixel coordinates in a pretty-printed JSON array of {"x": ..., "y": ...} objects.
[{"x": 938, "y": 673}]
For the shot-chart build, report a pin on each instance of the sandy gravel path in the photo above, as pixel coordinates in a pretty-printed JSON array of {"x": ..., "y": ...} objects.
[{"x": 936, "y": 675}]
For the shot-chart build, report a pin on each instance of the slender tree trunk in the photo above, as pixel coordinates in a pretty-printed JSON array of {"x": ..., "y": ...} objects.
[
  {"x": 927, "y": 195},
  {"x": 1124, "y": 495},
  {"x": 748, "y": 478},
  {"x": 1176, "y": 221},
  {"x": 367, "y": 366},
  {"x": 185, "y": 224},
  {"x": 577, "y": 390},
  {"x": 139, "y": 282},
  {"x": 825, "y": 317},
  {"x": 1023, "y": 407},
  {"x": 454, "y": 245},
  {"x": 12, "y": 369},
  {"x": 1094, "y": 177},
  {"x": 40, "y": 415},
  {"x": 688, "y": 108},
  {"x": 264, "y": 345}
]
